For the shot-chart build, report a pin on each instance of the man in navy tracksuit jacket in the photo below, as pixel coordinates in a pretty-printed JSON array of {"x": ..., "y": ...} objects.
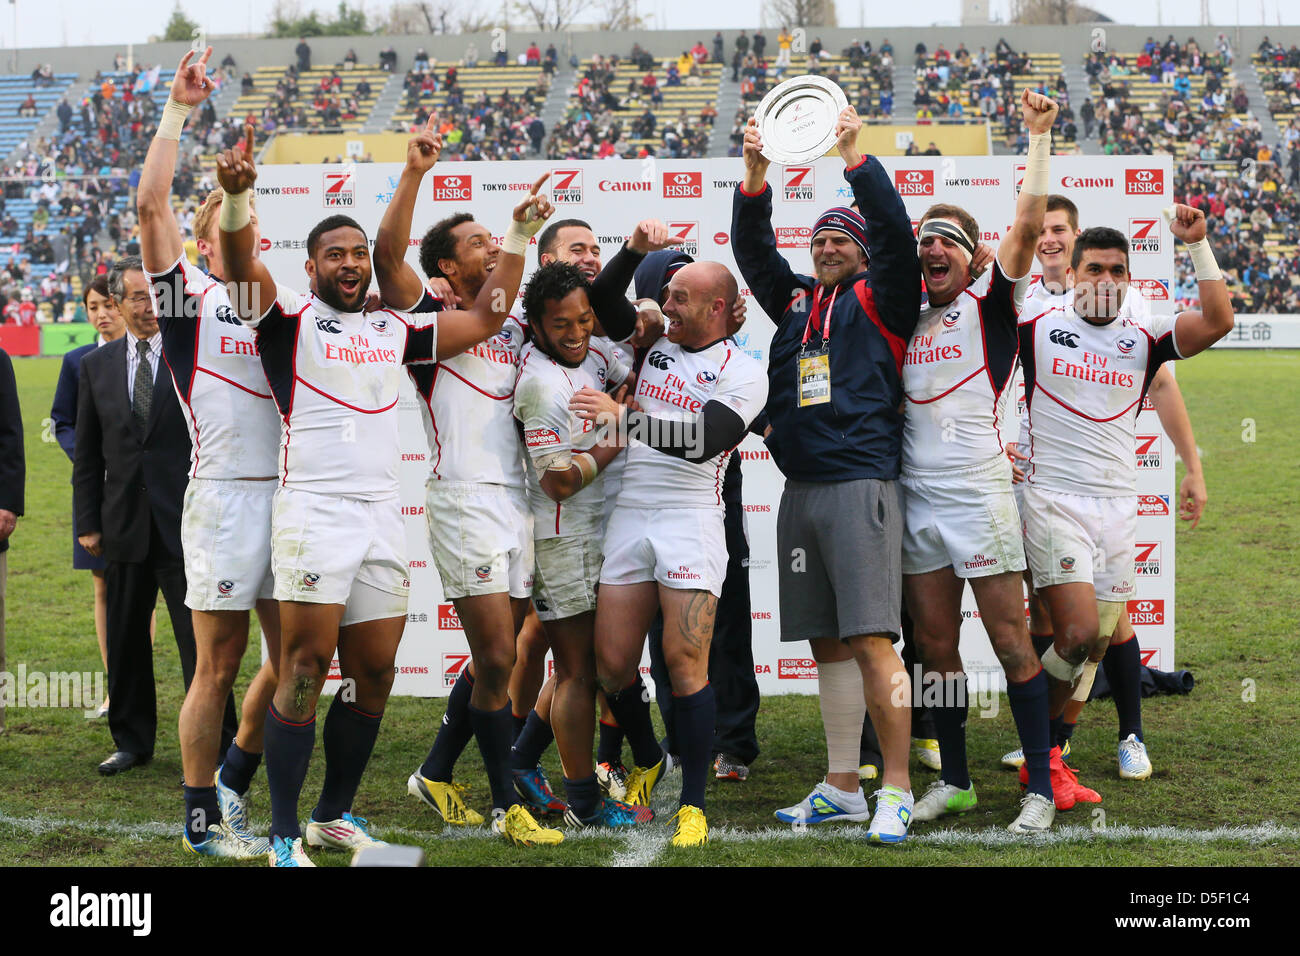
[{"x": 835, "y": 396}]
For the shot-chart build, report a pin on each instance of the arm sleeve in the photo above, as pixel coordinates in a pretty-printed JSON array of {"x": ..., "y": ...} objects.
[
  {"x": 63, "y": 413},
  {"x": 769, "y": 277},
  {"x": 609, "y": 294},
  {"x": 722, "y": 427},
  {"x": 288, "y": 305},
  {"x": 1000, "y": 307},
  {"x": 428, "y": 303},
  {"x": 895, "y": 269},
  {"x": 178, "y": 289},
  {"x": 13, "y": 466},
  {"x": 421, "y": 337}
]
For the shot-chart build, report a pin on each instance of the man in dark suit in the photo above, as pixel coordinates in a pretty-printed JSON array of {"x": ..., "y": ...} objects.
[
  {"x": 129, "y": 475},
  {"x": 13, "y": 474}
]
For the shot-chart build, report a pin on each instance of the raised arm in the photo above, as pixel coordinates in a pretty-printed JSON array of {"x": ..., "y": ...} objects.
[
  {"x": 461, "y": 329},
  {"x": 766, "y": 272},
  {"x": 248, "y": 280},
  {"x": 1016, "y": 252},
  {"x": 160, "y": 238},
  {"x": 1196, "y": 330},
  {"x": 616, "y": 315},
  {"x": 399, "y": 283}
]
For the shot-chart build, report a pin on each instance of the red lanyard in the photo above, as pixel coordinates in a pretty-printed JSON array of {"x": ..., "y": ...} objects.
[{"x": 815, "y": 320}]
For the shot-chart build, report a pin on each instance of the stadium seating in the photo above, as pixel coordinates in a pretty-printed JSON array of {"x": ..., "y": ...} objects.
[
  {"x": 297, "y": 112},
  {"x": 472, "y": 82},
  {"x": 14, "y": 91}
]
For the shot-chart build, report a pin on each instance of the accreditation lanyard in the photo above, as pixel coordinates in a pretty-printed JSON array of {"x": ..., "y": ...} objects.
[{"x": 815, "y": 365}]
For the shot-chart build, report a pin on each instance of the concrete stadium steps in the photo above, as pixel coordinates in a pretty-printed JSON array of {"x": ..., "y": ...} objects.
[
  {"x": 386, "y": 104},
  {"x": 728, "y": 104},
  {"x": 1076, "y": 81},
  {"x": 557, "y": 100},
  {"x": 1252, "y": 78},
  {"x": 472, "y": 81},
  {"x": 265, "y": 78},
  {"x": 675, "y": 98}
]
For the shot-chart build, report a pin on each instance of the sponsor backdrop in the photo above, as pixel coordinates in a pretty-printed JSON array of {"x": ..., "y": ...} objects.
[{"x": 694, "y": 198}]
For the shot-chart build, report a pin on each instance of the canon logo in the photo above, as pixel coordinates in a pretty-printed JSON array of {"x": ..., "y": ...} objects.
[
  {"x": 623, "y": 186},
  {"x": 1087, "y": 182}
]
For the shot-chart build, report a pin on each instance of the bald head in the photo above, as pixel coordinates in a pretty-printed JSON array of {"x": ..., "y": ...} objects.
[{"x": 699, "y": 303}]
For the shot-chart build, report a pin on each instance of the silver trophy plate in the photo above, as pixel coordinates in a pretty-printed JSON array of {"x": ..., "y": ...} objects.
[{"x": 797, "y": 119}]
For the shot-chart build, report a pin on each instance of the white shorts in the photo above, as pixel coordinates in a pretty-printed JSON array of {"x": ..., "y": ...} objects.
[
  {"x": 684, "y": 548},
  {"x": 226, "y": 537},
  {"x": 567, "y": 572},
  {"x": 966, "y": 519},
  {"x": 327, "y": 549},
  {"x": 1072, "y": 538},
  {"x": 481, "y": 537}
]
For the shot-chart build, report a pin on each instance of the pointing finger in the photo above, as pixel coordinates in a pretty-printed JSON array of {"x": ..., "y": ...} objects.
[
  {"x": 540, "y": 181},
  {"x": 248, "y": 139}
]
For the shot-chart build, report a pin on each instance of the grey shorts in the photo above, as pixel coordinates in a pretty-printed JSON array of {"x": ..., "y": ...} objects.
[{"x": 839, "y": 556}]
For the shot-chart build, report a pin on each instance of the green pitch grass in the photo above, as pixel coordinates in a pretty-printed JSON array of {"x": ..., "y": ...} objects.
[{"x": 1225, "y": 756}]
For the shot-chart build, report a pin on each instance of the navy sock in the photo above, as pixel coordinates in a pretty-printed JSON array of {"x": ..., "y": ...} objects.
[
  {"x": 453, "y": 734},
  {"x": 517, "y": 724},
  {"x": 492, "y": 730},
  {"x": 696, "y": 714},
  {"x": 950, "y": 730},
  {"x": 1041, "y": 642},
  {"x": 1055, "y": 726},
  {"x": 288, "y": 753},
  {"x": 1065, "y": 732},
  {"x": 610, "y": 750},
  {"x": 531, "y": 742},
  {"x": 238, "y": 768},
  {"x": 201, "y": 812},
  {"x": 631, "y": 708},
  {"x": 584, "y": 796},
  {"x": 349, "y": 738},
  {"x": 1029, "y": 710},
  {"x": 1123, "y": 664}
]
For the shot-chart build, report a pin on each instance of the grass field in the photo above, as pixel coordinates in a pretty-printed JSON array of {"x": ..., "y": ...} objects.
[{"x": 1221, "y": 761}]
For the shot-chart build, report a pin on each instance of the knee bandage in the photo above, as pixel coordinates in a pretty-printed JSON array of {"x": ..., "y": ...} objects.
[
  {"x": 1059, "y": 667},
  {"x": 839, "y": 689},
  {"x": 1108, "y": 613},
  {"x": 1084, "y": 687}
]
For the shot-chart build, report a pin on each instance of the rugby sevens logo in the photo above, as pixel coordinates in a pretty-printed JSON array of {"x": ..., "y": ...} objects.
[
  {"x": 566, "y": 185},
  {"x": 339, "y": 190}
]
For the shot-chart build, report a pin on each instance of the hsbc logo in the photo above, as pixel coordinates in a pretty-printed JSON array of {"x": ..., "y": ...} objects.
[
  {"x": 796, "y": 668},
  {"x": 793, "y": 237},
  {"x": 452, "y": 666},
  {"x": 683, "y": 185},
  {"x": 1144, "y": 182},
  {"x": 1143, "y": 235},
  {"x": 1157, "y": 290},
  {"x": 1153, "y": 506},
  {"x": 339, "y": 190},
  {"x": 1148, "y": 451},
  {"x": 689, "y": 234},
  {"x": 566, "y": 185},
  {"x": 798, "y": 184},
  {"x": 453, "y": 188},
  {"x": 1146, "y": 611},
  {"x": 1146, "y": 559},
  {"x": 448, "y": 619},
  {"x": 914, "y": 182}
]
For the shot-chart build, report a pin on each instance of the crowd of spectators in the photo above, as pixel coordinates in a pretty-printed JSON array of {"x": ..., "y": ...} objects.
[{"x": 1280, "y": 76}]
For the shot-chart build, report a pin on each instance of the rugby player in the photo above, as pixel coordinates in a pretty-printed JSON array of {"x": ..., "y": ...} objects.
[
  {"x": 835, "y": 372},
  {"x": 1087, "y": 369},
  {"x": 961, "y": 524},
  {"x": 480, "y": 527},
  {"x": 337, "y": 533},
  {"x": 1123, "y": 666},
  {"x": 665, "y": 547},
  {"x": 226, "y": 520},
  {"x": 566, "y": 494}
]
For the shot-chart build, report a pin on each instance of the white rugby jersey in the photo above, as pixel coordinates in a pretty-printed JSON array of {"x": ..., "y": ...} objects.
[
  {"x": 467, "y": 403},
  {"x": 1037, "y": 301},
  {"x": 335, "y": 377},
  {"x": 552, "y": 431},
  {"x": 233, "y": 423},
  {"x": 1083, "y": 390},
  {"x": 956, "y": 372},
  {"x": 675, "y": 383},
  {"x": 613, "y": 473}
]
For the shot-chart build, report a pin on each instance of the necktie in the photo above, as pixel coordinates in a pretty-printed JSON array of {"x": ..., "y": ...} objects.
[{"x": 143, "y": 399}]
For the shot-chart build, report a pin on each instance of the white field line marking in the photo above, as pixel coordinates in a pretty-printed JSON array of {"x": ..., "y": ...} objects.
[{"x": 643, "y": 846}]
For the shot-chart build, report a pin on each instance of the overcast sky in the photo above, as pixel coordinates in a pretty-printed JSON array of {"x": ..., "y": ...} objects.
[{"x": 80, "y": 22}]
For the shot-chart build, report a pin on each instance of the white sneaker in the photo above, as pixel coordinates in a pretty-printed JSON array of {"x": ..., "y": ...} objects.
[
  {"x": 942, "y": 799},
  {"x": 827, "y": 804},
  {"x": 234, "y": 809},
  {"x": 893, "y": 816},
  {"x": 1014, "y": 760},
  {"x": 347, "y": 833},
  {"x": 1134, "y": 764},
  {"x": 288, "y": 853},
  {"x": 223, "y": 842},
  {"x": 1036, "y": 815}
]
